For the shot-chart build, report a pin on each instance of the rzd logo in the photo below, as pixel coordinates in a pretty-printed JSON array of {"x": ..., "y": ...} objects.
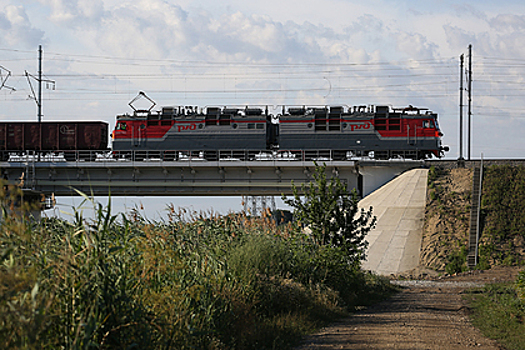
[
  {"x": 360, "y": 126},
  {"x": 187, "y": 127}
]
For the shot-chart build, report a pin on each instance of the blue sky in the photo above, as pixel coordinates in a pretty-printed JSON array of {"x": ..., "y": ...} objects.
[{"x": 101, "y": 53}]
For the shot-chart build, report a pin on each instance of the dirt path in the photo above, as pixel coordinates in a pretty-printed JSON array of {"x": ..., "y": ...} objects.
[{"x": 426, "y": 315}]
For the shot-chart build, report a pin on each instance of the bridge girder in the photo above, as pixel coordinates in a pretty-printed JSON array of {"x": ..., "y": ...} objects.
[{"x": 193, "y": 178}]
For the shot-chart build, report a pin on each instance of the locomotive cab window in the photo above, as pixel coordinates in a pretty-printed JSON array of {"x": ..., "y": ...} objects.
[
  {"x": 121, "y": 126},
  {"x": 428, "y": 124}
]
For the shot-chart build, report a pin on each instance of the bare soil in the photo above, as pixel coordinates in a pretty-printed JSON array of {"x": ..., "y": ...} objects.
[
  {"x": 430, "y": 313},
  {"x": 446, "y": 218}
]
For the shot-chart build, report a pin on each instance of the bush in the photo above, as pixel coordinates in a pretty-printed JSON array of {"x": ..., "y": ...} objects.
[
  {"x": 457, "y": 261},
  {"x": 331, "y": 213}
]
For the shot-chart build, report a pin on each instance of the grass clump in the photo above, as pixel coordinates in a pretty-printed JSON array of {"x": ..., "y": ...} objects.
[
  {"x": 206, "y": 282},
  {"x": 499, "y": 313}
]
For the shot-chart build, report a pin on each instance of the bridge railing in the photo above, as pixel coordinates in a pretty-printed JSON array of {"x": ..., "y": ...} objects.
[
  {"x": 198, "y": 156},
  {"x": 177, "y": 156}
]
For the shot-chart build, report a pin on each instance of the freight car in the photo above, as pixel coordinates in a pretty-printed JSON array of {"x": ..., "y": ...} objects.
[
  {"x": 339, "y": 132},
  {"x": 73, "y": 140}
]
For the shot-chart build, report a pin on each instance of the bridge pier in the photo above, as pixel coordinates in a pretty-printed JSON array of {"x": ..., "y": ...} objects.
[{"x": 24, "y": 203}]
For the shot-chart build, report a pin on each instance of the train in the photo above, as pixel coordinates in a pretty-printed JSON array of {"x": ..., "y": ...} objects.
[
  {"x": 338, "y": 132},
  {"x": 72, "y": 139},
  {"x": 240, "y": 132}
]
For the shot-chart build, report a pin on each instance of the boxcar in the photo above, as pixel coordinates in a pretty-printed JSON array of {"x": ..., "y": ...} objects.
[{"x": 69, "y": 138}]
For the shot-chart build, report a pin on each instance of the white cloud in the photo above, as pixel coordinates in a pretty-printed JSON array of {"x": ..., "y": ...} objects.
[
  {"x": 16, "y": 29},
  {"x": 75, "y": 13}
]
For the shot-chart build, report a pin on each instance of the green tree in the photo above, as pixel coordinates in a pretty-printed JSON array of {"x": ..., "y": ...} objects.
[{"x": 332, "y": 214}]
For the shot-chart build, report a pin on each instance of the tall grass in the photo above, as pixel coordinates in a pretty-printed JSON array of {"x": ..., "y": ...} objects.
[
  {"x": 499, "y": 313},
  {"x": 207, "y": 282}
]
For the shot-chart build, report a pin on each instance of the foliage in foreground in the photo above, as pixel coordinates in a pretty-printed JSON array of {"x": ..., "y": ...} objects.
[
  {"x": 229, "y": 282},
  {"x": 499, "y": 312},
  {"x": 330, "y": 211}
]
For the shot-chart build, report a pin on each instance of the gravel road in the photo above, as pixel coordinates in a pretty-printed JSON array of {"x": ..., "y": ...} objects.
[{"x": 425, "y": 315}]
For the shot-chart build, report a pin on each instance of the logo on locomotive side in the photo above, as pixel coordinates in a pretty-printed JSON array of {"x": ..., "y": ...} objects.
[
  {"x": 191, "y": 126},
  {"x": 360, "y": 126}
]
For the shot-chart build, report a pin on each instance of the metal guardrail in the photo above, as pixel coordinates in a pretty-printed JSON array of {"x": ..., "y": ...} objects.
[{"x": 203, "y": 155}]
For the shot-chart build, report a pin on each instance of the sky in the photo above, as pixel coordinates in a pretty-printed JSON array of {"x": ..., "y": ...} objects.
[{"x": 98, "y": 54}]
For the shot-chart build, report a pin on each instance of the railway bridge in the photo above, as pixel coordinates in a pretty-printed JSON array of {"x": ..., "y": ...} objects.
[{"x": 191, "y": 176}]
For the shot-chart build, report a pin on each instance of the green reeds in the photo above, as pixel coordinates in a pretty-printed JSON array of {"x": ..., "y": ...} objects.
[{"x": 190, "y": 282}]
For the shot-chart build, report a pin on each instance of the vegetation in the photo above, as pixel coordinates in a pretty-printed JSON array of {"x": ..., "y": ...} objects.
[
  {"x": 205, "y": 282},
  {"x": 332, "y": 215},
  {"x": 502, "y": 236},
  {"x": 503, "y": 219},
  {"x": 457, "y": 261},
  {"x": 446, "y": 212},
  {"x": 500, "y": 314}
]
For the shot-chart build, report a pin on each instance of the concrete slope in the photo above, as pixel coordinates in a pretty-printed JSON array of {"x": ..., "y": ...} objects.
[{"x": 395, "y": 243}]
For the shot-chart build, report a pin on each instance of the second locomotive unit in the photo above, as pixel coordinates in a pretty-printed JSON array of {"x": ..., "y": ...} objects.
[{"x": 340, "y": 132}]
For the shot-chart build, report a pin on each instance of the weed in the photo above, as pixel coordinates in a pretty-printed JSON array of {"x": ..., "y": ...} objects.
[
  {"x": 500, "y": 315},
  {"x": 456, "y": 261}
]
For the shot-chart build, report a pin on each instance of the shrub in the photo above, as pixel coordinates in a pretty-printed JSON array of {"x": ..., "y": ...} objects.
[
  {"x": 456, "y": 261},
  {"x": 332, "y": 214}
]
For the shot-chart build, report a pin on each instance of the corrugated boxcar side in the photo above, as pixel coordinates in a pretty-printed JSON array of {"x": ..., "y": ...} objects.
[
  {"x": 67, "y": 136},
  {"x": 92, "y": 136},
  {"x": 50, "y": 136},
  {"x": 32, "y": 136},
  {"x": 15, "y": 136},
  {"x": 3, "y": 128}
]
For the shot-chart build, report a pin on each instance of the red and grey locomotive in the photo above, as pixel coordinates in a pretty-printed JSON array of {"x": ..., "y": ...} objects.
[{"x": 340, "y": 132}]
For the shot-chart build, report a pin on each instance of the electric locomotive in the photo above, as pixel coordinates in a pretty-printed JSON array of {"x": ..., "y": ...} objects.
[{"x": 339, "y": 132}]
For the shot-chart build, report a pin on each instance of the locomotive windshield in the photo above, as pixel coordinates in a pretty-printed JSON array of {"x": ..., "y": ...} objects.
[
  {"x": 120, "y": 126},
  {"x": 428, "y": 124}
]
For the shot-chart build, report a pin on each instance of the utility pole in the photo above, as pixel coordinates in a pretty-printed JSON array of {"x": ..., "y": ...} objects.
[
  {"x": 38, "y": 98},
  {"x": 40, "y": 83},
  {"x": 3, "y": 80},
  {"x": 469, "y": 98},
  {"x": 461, "y": 107}
]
